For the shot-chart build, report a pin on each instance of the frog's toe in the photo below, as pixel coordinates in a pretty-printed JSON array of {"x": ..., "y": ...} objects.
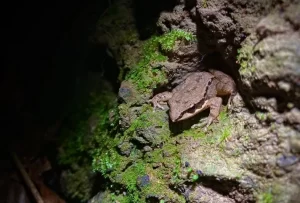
[
  {"x": 159, "y": 106},
  {"x": 201, "y": 124}
]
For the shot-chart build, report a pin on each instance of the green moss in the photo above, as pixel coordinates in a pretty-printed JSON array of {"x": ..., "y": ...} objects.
[
  {"x": 79, "y": 182},
  {"x": 176, "y": 172},
  {"x": 144, "y": 75},
  {"x": 216, "y": 133},
  {"x": 245, "y": 60},
  {"x": 204, "y": 4},
  {"x": 261, "y": 116},
  {"x": 159, "y": 188},
  {"x": 266, "y": 197},
  {"x": 129, "y": 179},
  {"x": 90, "y": 133},
  {"x": 149, "y": 119},
  {"x": 106, "y": 161}
]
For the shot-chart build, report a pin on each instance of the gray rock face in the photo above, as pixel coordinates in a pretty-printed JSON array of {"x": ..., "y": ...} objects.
[{"x": 201, "y": 194}]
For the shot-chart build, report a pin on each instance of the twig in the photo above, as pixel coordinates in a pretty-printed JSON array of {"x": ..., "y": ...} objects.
[{"x": 27, "y": 179}]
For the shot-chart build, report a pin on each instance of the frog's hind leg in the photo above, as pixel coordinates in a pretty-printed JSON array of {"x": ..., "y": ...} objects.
[{"x": 214, "y": 104}]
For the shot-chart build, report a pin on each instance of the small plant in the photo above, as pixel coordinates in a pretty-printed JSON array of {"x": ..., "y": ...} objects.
[
  {"x": 195, "y": 177},
  {"x": 190, "y": 170},
  {"x": 176, "y": 172},
  {"x": 261, "y": 116}
]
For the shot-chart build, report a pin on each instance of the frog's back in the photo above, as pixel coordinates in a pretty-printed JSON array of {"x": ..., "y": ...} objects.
[{"x": 192, "y": 91}]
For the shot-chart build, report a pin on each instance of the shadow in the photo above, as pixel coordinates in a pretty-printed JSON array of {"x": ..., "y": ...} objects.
[
  {"x": 99, "y": 61},
  {"x": 146, "y": 14}
]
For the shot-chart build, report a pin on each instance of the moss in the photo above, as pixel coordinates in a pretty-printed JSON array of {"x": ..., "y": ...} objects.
[
  {"x": 261, "y": 116},
  {"x": 245, "y": 60},
  {"x": 266, "y": 197},
  {"x": 144, "y": 75},
  {"x": 129, "y": 179},
  {"x": 216, "y": 133},
  {"x": 204, "y": 4},
  {"x": 159, "y": 188},
  {"x": 106, "y": 161},
  {"x": 90, "y": 133},
  {"x": 79, "y": 182},
  {"x": 149, "y": 119}
]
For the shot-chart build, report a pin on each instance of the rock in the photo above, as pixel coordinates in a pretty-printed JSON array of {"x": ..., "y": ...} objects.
[
  {"x": 293, "y": 116},
  {"x": 286, "y": 161},
  {"x": 147, "y": 148},
  {"x": 98, "y": 198},
  {"x": 127, "y": 92},
  {"x": 125, "y": 148},
  {"x": 295, "y": 143},
  {"x": 201, "y": 194},
  {"x": 143, "y": 181}
]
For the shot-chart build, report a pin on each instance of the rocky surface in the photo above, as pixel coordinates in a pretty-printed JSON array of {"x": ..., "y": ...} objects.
[{"x": 252, "y": 153}]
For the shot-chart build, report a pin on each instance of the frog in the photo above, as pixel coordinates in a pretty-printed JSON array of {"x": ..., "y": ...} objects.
[{"x": 198, "y": 92}]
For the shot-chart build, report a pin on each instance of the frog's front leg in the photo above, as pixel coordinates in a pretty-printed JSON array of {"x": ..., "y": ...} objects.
[
  {"x": 161, "y": 97},
  {"x": 214, "y": 104}
]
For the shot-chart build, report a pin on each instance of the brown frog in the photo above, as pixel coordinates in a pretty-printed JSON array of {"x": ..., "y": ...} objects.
[{"x": 199, "y": 91}]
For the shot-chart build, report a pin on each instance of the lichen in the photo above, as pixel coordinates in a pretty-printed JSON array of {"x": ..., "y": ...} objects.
[{"x": 245, "y": 60}]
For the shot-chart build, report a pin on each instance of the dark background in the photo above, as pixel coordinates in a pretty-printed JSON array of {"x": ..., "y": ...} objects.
[{"x": 46, "y": 47}]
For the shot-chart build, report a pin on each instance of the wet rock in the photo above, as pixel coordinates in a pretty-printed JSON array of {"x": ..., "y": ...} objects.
[{"x": 143, "y": 181}]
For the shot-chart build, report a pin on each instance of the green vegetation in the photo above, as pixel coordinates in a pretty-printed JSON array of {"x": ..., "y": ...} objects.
[
  {"x": 245, "y": 59},
  {"x": 88, "y": 135},
  {"x": 148, "y": 119},
  {"x": 146, "y": 76},
  {"x": 78, "y": 182},
  {"x": 195, "y": 177},
  {"x": 261, "y": 116},
  {"x": 266, "y": 197},
  {"x": 204, "y": 4},
  {"x": 176, "y": 172},
  {"x": 216, "y": 133},
  {"x": 106, "y": 161},
  {"x": 129, "y": 179},
  {"x": 91, "y": 136}
]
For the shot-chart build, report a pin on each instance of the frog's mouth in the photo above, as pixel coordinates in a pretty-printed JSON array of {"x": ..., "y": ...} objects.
[{"x": 193, "y": 111}]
